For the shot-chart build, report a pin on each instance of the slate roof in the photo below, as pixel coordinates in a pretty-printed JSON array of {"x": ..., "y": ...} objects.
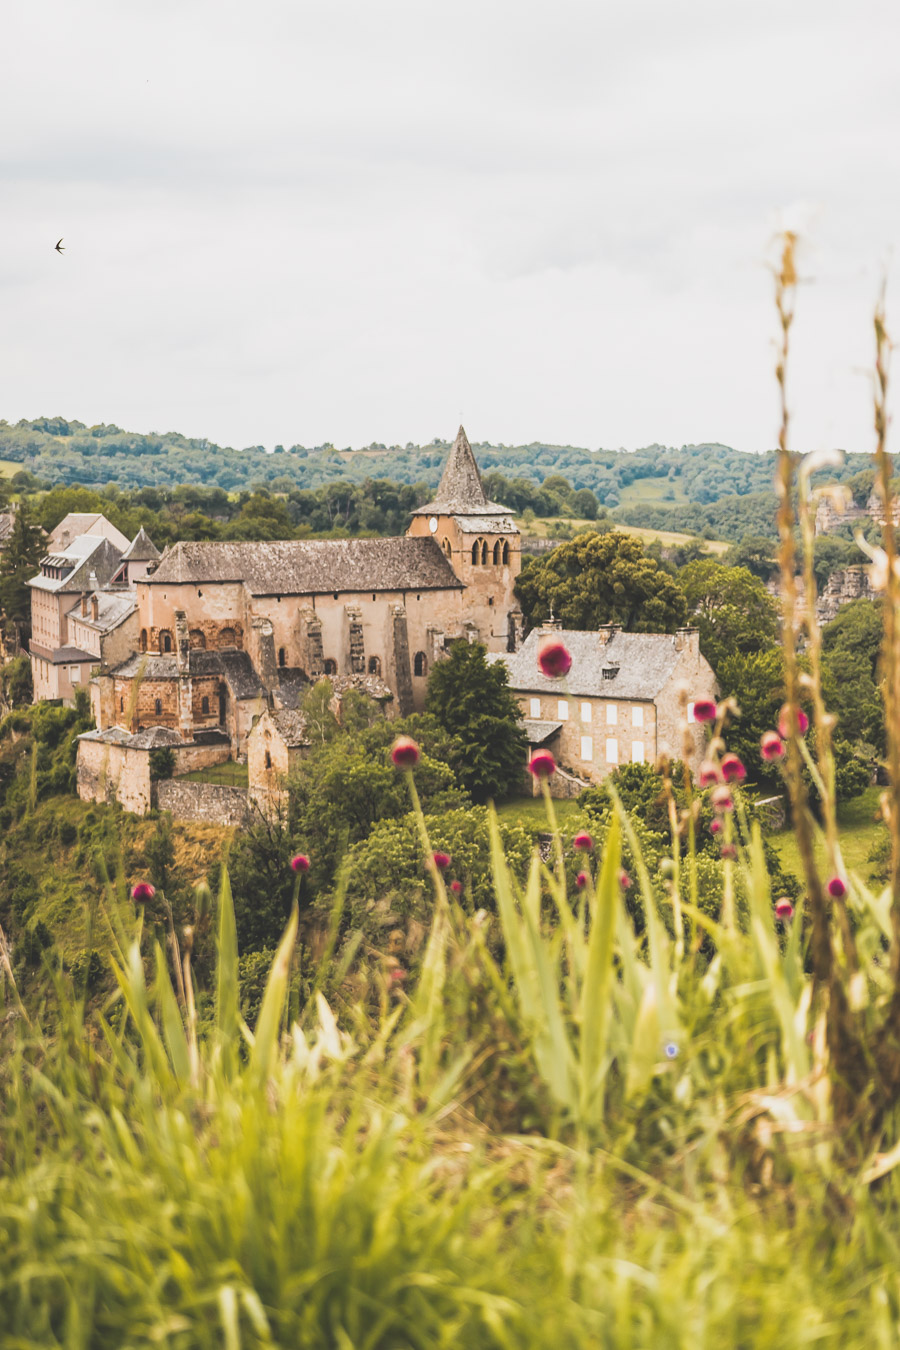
[
  {"x": 311, "y": 566},
  {"x": 645, "y": 661},
  {"x": 291, "y": 727},
  {"x": 141, "y": 548},
  {"x": 60, "y": 656},
  {"x": 234, "y": 666},
  {"x": 460, "y": 491},
  {"x": 539, "y": 731},
  {"x": 77, "y": 523},
  {"x": 93, "y": 549},
  {"x": 141, "y": 740},
  {"x": 112, "y": 608}
]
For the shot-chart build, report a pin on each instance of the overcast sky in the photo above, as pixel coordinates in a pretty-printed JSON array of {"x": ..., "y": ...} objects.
[{"x": 327, "y": 220}]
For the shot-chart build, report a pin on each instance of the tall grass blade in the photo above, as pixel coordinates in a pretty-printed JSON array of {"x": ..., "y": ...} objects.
[{"x": 265, "y": 1042}]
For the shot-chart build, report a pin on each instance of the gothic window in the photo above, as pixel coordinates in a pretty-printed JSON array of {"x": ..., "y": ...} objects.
[
  {"x": 197, "y": 638},
  {"x": 505, "y": 552},
  {"x": 282, "y": 656},
  {"x": 204, "y": 707},
  {"x": 330, "y": 666},
  {"x": 165, "y": 640},
  {"x": 420, "y": 664},
  {"x": 497, "y": 554},
  {"x": 484, "y": 553},
  {"x": 476, "y": 553},
  {"x": 227, "y": 637},
  {"x": 157, "y": 705},
  {"x": 374, "y": 665},
  {"x": 143, "y": 639}
]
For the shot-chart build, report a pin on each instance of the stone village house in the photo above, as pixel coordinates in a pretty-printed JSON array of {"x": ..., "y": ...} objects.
[{"x": 620, "y": 703}]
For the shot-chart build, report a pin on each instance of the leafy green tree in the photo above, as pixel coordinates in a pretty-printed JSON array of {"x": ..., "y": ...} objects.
[
  {"x": 756, "y": 681},
  {"x": 601, "y": 578},
  {"x": 19, "y": 561},
  {"x": 472, "y": 701},
  {"x": 851, "y": 650},
  {"x": 756, "y": 552},
  {"x": 15, "y": 683},
  {"x": 731, "y": 607}
]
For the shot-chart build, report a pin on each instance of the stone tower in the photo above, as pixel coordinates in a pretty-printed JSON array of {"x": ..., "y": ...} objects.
[{"x": 482, "y": 544}]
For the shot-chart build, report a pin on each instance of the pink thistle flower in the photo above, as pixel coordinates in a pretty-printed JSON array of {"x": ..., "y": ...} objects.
[
  {"x": 583, "y": 841},
  {"x": 784, "y": 722},
  {"x": 554, "y": 658},
  {"x": 836, "y": 888},
  {"x": 405, "y": 753},
  {"x": 715, "y": 826},
  {"x": 441, "y": 861},
  {"x": 142, "y": 892},
  {"x": 709, "y": 774},
  {"x": 729, "y": 851},
  {"x": 721, "y": 799},
  {"x": 397, "y": 976},
  {"x": 733, "y": 769},
  {"x": 624, "y": 880},
  {"x": 771, "y": 746},
  {"x": 542, "y": 764},
  {"x": 784, "y": 910},
  {"x": 456, "y": 887},
  {"x": 704, "y": 710},
  {"x": 581, "y": 880},
  {"x": 300, "y": 862}
]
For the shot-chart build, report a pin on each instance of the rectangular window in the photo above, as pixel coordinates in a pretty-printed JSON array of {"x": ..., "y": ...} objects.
[
  {"x": 585, "y": 712},
  {"x": 612, "y": 714},
  {"x": 534, "y": 707},
  {"x": 612, "y": 751},
  {"x": 73, "y": 674},
  {"x": 637, "y": 752},
  {"x": 587, "y": 748},
  {"x": 562, "y": 710},
  {"x": 690, "y": 713},
  {"x": 637, "y": 717}
]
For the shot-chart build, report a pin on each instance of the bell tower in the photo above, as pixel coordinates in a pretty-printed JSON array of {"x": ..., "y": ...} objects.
[{"x": 480, "y": 540}]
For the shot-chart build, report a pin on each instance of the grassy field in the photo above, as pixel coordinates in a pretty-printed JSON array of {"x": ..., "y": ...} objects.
[
  {"x": 531, "y": 811},
  {"x": 651, "y": 492},
  {"x": 859, "y": 831},
  {"x": 547, "y": 527},
  {"x": 8, "y": 467},
  {"x": 228, "y": 774}
]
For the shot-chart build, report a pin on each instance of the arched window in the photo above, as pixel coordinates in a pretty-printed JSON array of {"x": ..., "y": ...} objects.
[
  {"x": 420, "y": 664},
  {"x": 445, "y": 545},
  {"x": 143, "y": 639},
  {"x": 330, "y": 666},
  {"x": 204, "y": 707},
  {"x": 197, "y": 638},
  {"x": 374, "y": 665},
  {"x": 165, "y": 640},
  {"x": 476, "y": 553},
  {"x": 497, "y": 554},
  {"x": 157, "y": 705},
  {"x": 505, "y": 552},
  {"x": 227, "y": 637},
  {"x": 484, "y": 553},
  {"x": 282, "y": 656}
]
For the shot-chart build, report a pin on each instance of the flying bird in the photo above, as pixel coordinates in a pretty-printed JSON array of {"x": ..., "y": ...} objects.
[{"x": 59, "y": 247}]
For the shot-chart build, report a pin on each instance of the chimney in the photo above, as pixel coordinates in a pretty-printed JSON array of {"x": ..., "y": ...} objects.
[
  {"x": 95, "y": 608},
  {"x": 84, "y": 603},
  {"x": 687, "y": 639},
  {"x": 607, "y": 632},
  {"x": 551, "y": 625}
]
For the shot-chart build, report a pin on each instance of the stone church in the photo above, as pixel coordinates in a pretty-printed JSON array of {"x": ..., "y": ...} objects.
[{"x": 229, "y": 630}]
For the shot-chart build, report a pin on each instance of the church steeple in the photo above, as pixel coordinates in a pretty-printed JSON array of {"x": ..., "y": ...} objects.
[{"x": 460, "y": 491}]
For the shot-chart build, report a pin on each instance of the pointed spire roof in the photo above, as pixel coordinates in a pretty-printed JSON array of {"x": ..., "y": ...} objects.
[
  {"x": 460, "y": 491},
  {"x": 141, "y": 548}
]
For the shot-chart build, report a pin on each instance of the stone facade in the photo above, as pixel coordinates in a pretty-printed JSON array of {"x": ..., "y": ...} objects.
[
  {"x": 209, "y": 802},
  {"x": 116, "y": 767},
  {"x": 623, "y": 700}
]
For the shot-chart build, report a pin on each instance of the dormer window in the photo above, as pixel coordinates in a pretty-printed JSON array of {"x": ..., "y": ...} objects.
[{"x": 609, "y": 672}]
